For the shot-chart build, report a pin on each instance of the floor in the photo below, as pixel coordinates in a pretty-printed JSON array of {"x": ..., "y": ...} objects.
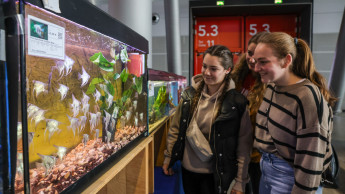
[{"x": 165, "y": 185}]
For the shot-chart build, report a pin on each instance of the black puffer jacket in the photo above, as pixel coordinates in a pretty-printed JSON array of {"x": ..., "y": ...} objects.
[{"x": 224, "y": 136}]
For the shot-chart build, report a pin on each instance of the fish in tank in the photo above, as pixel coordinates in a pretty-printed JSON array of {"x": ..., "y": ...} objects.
[{"x": 82, "y": 104}]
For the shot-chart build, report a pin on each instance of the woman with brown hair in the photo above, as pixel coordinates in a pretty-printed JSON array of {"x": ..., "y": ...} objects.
[
  {"x": 248, "y": 82},
  {"x": 294, "y": 122},
  {"x": 215, "y": 109}
]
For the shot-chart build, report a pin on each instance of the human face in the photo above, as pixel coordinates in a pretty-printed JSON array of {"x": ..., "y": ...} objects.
[
  {"x": 270, "y": 68},
  {"x": 249, "y": 56},
  {"x": 213, "y": 72}
]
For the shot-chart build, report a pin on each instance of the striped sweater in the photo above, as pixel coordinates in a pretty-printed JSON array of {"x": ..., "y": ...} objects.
[{"x": 295, "y": 123}]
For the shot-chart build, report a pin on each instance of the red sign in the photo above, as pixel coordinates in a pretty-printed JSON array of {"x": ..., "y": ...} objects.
[
  {"x": 270, "y": 23},
  {"x": 230, "y": 32},
  {"x": 209, "y": 31}
]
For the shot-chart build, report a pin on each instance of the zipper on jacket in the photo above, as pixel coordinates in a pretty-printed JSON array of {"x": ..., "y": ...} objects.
[
  {"x": 190, "y": 104},
  {"x": 214, "y": 146}
]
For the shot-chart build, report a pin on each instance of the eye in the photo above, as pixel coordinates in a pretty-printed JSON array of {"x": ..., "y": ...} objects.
[
  {"x": 250, "y": 53},
  {"x": 262, "y": 62}
]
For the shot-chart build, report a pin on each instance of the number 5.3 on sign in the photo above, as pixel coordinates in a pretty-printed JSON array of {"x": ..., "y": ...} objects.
[{"x": 253, "y": 28}]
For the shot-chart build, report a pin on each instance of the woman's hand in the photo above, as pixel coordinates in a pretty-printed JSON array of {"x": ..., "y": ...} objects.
[
  {"x": 233, "y": 191},
  {"x": 166, "y": 170}
]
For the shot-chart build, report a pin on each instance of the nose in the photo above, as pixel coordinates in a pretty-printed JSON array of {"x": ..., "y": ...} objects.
[
  {"x": 206, "y": 71},
  {"x": 251, "y": 60},
  {"x": 256, "y": 67}
]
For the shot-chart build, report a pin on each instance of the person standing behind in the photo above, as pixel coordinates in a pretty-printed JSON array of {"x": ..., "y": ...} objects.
[
  {"x": 221, "y": 114},
  {"x": 294, "y": 122},
  {"x": 248, "y": 82}
]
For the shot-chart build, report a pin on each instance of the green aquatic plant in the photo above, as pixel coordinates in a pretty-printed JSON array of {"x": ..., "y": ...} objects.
[
  {"x": 138, "y": 86},
  {"x": 124, "y": 55},
  {"x": 99, "y": 60},
  {"x": 158, "y": 107},
  {"x": 109, "y": 83}
]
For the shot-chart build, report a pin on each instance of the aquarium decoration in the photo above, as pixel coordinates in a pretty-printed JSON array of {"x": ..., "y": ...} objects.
[{"x": 82, "y": 106}]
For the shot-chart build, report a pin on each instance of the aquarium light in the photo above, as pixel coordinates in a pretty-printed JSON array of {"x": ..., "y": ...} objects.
[{"x": 220, "y": 2}]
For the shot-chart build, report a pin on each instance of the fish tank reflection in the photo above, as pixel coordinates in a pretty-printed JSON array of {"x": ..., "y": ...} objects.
[
  {"x": 81, "y": 108},
  {"x": 164, "y": 90}
]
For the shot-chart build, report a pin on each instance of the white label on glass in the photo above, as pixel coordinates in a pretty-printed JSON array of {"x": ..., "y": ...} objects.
[
  {"x": 45, "y": 39},
  {"x": 52, "y": 5}
]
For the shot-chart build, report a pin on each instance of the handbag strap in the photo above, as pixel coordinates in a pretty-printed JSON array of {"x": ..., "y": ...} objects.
[{"x": 212, "y": 118}]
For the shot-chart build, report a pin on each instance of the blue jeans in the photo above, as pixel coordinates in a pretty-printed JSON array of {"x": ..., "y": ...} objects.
[{"x": 277, "y": 175}]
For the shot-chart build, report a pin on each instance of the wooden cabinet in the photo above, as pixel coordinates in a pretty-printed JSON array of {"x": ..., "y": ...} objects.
[{"x": 134, "y": 171}]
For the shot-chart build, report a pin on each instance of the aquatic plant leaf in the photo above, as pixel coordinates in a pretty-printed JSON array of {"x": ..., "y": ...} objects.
[
  {"x": 124, "y": 55},
  {"x": 99, "y": 60},
  {"x": 92, "y": 85},
  {"x": 102, "y": 98},
  {"x": 119, "y": 104},
  {"x": 97, "y": 81},
  {"x": 124, "y": 75},
  {"x": 116, "y": 76},
  {"x": 116, "y": 57},
  {"x": 139, "y": 84},
  {"x": 103, "y": 106},
  {"x": 91, "y": 89},
  {"x": 110, "y": 88},
  {"x": 113, "y": 54},
  {"x": 126, "y": 94},
  {"x": 108, "y": 75},
  {"x": 160, "y": 101}
]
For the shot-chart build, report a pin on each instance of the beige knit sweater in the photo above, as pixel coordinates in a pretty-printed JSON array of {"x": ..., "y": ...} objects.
[{"x": 289, "y": 126}]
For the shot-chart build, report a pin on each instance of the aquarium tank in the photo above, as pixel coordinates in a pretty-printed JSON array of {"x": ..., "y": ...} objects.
[
  {"x": 163, "y": 95},
  {"x": 182, "y": 85},
  {"x": 82, "y": 89},
  {"x": 173, "y": 91}
]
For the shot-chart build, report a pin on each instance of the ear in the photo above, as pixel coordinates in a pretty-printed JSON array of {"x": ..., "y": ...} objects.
[
  {"x": 228, "y": 70},
  {"x": 287, "y": 61}
]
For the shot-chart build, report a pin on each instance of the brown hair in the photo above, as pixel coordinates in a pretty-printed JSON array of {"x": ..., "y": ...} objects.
[
  {"x": 225, "y": 58},
  {"x": 303, "y": 64},
  {"x": 241, "y": 70}
]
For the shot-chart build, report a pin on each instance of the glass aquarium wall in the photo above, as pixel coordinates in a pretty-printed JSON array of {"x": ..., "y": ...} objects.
[
  {"x": 82, "y": 93},
  {"x": 164, "y": 90},
  {"x": 157, "y": 101},
  {"x": 182, "y": 85}
]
